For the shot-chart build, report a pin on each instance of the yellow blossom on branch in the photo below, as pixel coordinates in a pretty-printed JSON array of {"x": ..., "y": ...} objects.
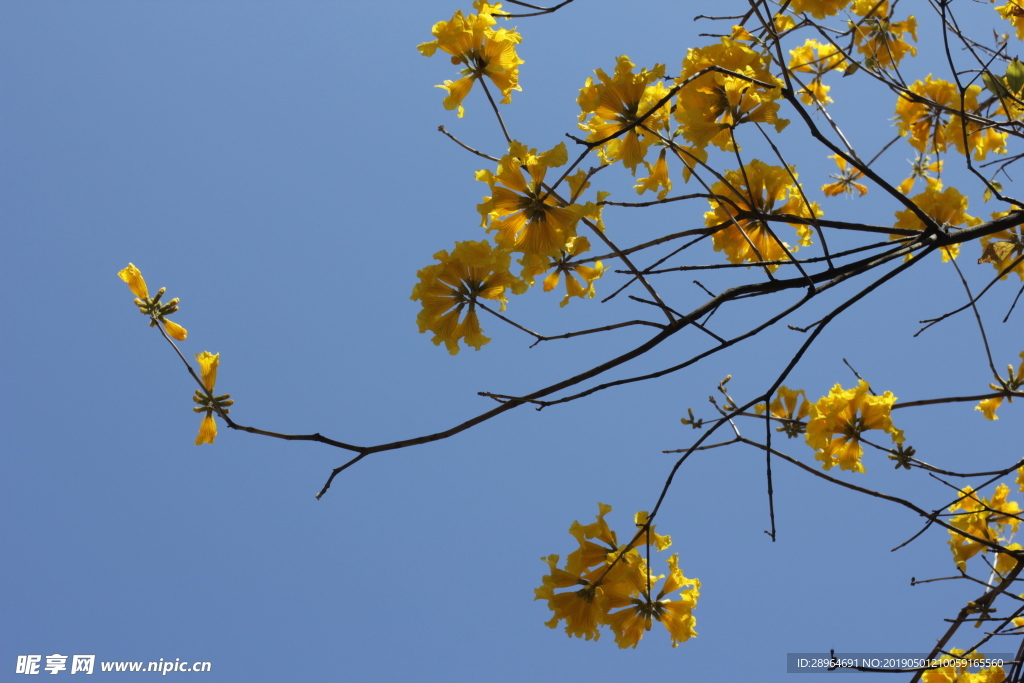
[
  {"x": 566, "y": 265},
  {"x": 208, "y": 402},
  {"x": 878, "y": 37},
  {"x": 152, "y": 306},
  {"x": 817, "y": 59},
  {"x": 472, "y": 271},
  {"x": 630, "y": 623},
  {"x": 763, "y": 189},
  {"x": 136, "y": 283},
  {"x": 617, "y": 103},
  {"x": 657, "y": 178},
  {"x": 784, "y": 23},
  {"x": 921, "y": 166},
  {"x": 958, "y": 670},
  {"x": 526, "y": 217},
  {"x": 919, "y": 119},
  {"x": 710, "y": 106},
  {"x": 819, "y": 8},
  {"x": 208, "y": 364},
  {"x": 603, "y": 576},
  {"x": 483, "y": 50},
  {"x": 784, "y": 408},
  {"x": 926, "y": 117},
  {"x": 982, "y": 518},
  {"x": 1014, "y": 382},
  {"x": 845, "y": 179},
  {"x": 948, "y": 208},
  {"x": 838, "y": 421},
  {"x": 1005, "y": 563},
  {"x": 1013, "y": 12},
  {"x": 207, "y": 430}
]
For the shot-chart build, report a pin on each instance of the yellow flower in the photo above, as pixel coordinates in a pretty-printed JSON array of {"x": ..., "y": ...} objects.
[
  {"x": 920, "y": 168},
  {"x": 710, "y": 106},
  {"x": 208, "y": 363},
  {"x": 759, "y": 188},
  {"x": 677, "y": 615},
  {"x": 582, "y": 611},
  {"x": 152, "y": 306},
  {"x": 784, "y": 22},
  {"x": 924, "y": 125},
  {"x": 472, "y": 271},
  {"x": 136, "y": 283},
  {"x": 1003, "y": 248},
  {"x": 845, "y": 180},
  {"x": 784, "y": 409},
  {"x": 948, "y": 208},
  {"x": 1014, "y": 381},
  {"x": 977, "y": 519},
  {"x": 1013, "y": 12},
  {"x": 616, "y": 103},
  {"x": 629, "y": 624},
  {"x": 658, "y": 178},
  {"x": 650, "y": 537},
  {"x": 616, "y": 579},
  {"x": 535, "y": 265},
  {"x": 818, "y": 59},
  {"x": 989, "y": 406},
  {"x": 484, "y": 51},
  {"x": 208, "y": 402},
  {"x": 953, "y": 673},
  {"x": 839, "y": 419},
  {"x": 207, "y": 430},
  {"x": 175, "y": 330},
  {"x": 928, "y": 127},
  {"x": 878, "y": 37},
  {"x": 1004, "y": 563},
  {"x": 819, "y": 8},
  {"x": 526, "y": 217}
]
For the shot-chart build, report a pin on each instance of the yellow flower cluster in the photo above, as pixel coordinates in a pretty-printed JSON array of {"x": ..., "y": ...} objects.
[
  {"x": 583, "y": 287},
  {"x": 838, "y": 421},
  {"x": 920, "y": 168},
  {"x": 525, "y": 215},
  {"x": 947, "y": 208},
  {"x": 819, "y": 8},
  {"x": 1013, "y": 12},
  {"x": 984, "y": 519},
  {"x": 962, "y": 674},
  {"x": 603, "y": 577},
  {"x": 762, "y": 189},
  {"x": 528, "y": 219},
  {"x": 878, "y": 37},
  {"x": 786, "y": 410},
  {"x": 846, "y": 180},
  {"x": 471, "y": 272},
  {"x": 924, "y": 120},
  {"x": 152, "y": 307},
  {"x": 818, "y": 59},
  {"x": 617, "y": 103},
  {"x": 208, "y": 362},
  {"x": 208, "y": 403},
  {"x": 710, "y": 106},
  {"x": 485, "y": 51},
  {"x": 1014, "y": 381}
]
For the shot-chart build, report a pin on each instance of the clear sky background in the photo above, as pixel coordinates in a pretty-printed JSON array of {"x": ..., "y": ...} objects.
[{"x": 277, "y": 166}]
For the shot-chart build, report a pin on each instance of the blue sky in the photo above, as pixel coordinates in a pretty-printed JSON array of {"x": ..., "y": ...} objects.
[{"x": 277, "y": 166}]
